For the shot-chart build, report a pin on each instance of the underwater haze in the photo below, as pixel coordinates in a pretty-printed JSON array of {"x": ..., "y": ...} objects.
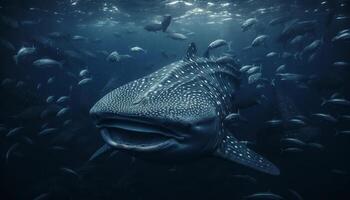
[{"x": 175, "y": 99}]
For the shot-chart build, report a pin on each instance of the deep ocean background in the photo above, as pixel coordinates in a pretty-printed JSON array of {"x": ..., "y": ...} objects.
[{"x": 35, "y": 169}]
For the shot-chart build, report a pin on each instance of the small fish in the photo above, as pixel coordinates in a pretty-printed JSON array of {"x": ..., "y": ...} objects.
[
  {"x": 235, "y": 118},
  {"x": 51, "y": 80},
  {"x": 62, "y": 112},
  {"x": 325, "y": 117},
  {"x": 254, "y": 78},
  {"x": 264, "y": 195},
  {"x": 336, "y": 101},
  {"x": 295, "y": 194},
  {"x": 84, "y": 81},
  {"x": 312, "y": 47},
  {"x": 295, "y": 123},
  {"x": 14, "y": 131},
  {"x": 172, "y": 169},
  {"x": 341, "y": 64},
  {"x": 274, "y": 123},
  {"x": 341, "y": 36},
  {"x": 281, "y": 68},
  {"x": 20, "y": 84},
  {"x": 260, "y": 86},
  {"x": 226, "y": 59},
  {"x": 113, "y": 153},
  {"x": 339, "y": 172},
  {"x": 63, "y": 99},
  {"x": 84, "y": 73},
  {"x": 292, "y": 150},
  {"x": 249, "y": 23},
  {"x": 59, "y": 36},
  {"x": 315, "y": 146},
  {"x": 25, "y": 54},
  {"x": 295, "y": 28},
  {"x": 279, "y": 20},
  {"x": 297, "y": 40},
  {"x": 50, "y": 99},
  {"x": 79, "y": 38},
  {"x": 271, "y": 54},
  {"x": 258, "y": 41},
  {"x": 47, "y": 131},
  {"x": 138, "y": 49},
  {"x": 47, "y": 63},
  {"x": 58, "y": 148},
  {"x": 253, "y": 70},
  {"x": 44, "y": 126},
  {"x": 286, "y": 55},
  {"x": 102, "y": 150},
  {"x": 291, "y": 77},
  {"x": 343, "y": 132},
  {"x": 42, "y": 196},
  {"x": 27, "y": 140},
  {"x": 245, "y": 68},
  {"x": 292, "y": 142},
  {"x": 38, "y": 86},
  {"x": 69, "y": 171},
  {"x": 7, "y": 82},
  {"x": 67, "y": 122},
  {"x": 177, "y": 36},
  {"x": 10, "y": 150},
  {"x": 345, "y": 117},
  {"x": 214, "y": 45},
  {"x": 116, "y": 57}
]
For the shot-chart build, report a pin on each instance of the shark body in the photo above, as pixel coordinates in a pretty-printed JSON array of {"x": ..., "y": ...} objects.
[{"x": 177, "y": 113}]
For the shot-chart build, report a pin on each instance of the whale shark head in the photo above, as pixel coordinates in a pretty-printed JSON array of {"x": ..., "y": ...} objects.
[
  {"x": 168, "y": 113},
  {"x": 176, "y": 113}
]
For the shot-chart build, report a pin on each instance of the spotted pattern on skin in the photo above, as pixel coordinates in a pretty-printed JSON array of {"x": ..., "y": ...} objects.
[
  {"x": 183, "y": 88},
  {"x": 199, "y": 88}
]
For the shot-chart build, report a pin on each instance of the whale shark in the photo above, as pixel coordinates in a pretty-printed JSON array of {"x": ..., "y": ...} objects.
[{"x": 177, "y": 113}]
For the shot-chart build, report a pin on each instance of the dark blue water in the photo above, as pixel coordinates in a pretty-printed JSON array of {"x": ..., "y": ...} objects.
[{"x": 313, "y": 158}]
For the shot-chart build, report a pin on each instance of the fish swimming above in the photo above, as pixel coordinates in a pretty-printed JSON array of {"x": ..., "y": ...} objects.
[
  {"x": 177, "y": 36},
  {"x": 215, "y": 44},
  {"x": 247, "y": 24},
  {"x": 176, "y": 113},
  {"x": 296, "y": 28},
  {"x": 163, "y": 26}
]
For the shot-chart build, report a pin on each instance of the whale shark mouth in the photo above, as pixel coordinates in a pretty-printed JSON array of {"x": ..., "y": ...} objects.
[{"x": 136, "y": 135}]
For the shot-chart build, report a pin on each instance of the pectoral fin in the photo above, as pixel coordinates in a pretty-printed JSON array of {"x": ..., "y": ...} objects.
[{"x": 231, "y": 149}]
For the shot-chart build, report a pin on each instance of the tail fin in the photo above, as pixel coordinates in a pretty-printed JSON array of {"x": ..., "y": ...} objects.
[{"x": 166, "y": 22}]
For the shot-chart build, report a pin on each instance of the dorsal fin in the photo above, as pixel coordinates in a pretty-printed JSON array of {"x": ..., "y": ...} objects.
[
  {"x": 233, "y": 150},
  {"x": 191, "y": 51}
]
